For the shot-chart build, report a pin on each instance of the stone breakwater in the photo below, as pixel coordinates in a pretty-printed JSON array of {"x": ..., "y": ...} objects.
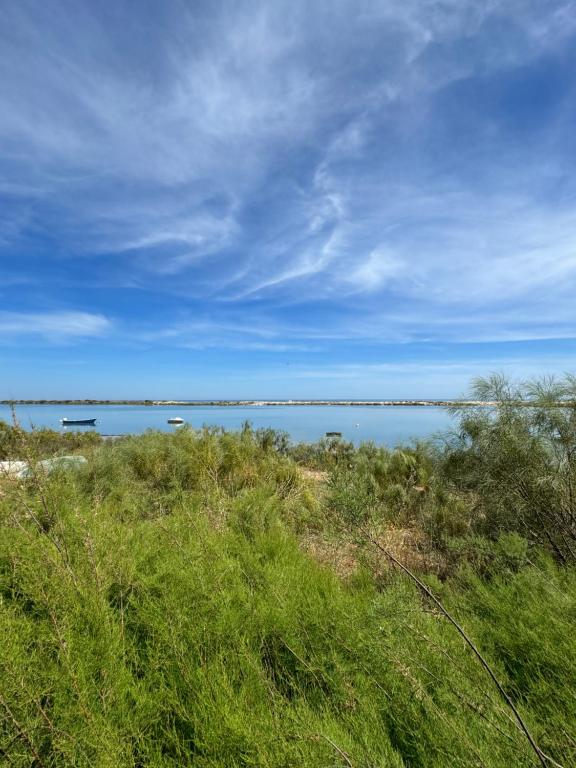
[{"x": 258, "y": 403}]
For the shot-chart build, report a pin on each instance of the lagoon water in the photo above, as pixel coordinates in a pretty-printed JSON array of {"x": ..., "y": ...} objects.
[{"x": 385, "y": 425}]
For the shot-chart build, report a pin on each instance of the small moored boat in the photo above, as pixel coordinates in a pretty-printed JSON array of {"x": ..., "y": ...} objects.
[
  {"x": 78, "y": 422},
  {"x": 175, "y": 420}
]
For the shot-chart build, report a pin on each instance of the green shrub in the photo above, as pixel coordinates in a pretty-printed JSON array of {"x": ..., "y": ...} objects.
[
  {"x": 486, "y": 557},
  {"x": 516, "y": 460},
  {"x": 169, "y": 642},
  {"x": 157, "y": 609},
  {"x": 378, "y": 484},
  {"x": 16, "y": 443}
]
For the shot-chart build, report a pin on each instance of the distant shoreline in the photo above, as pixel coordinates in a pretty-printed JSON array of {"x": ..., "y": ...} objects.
[{"x": 257, "y": 403}]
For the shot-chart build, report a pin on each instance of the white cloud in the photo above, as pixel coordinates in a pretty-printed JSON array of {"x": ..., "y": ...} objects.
[
  {"x": 216, "y": 108},
  {"x": 378, "y": 269},
  {"x": 55, "y": 326},
  {"x": 272, "y": 137},
  {"x": 231, "y": 330},
  {"x": 417, "y": 379}
]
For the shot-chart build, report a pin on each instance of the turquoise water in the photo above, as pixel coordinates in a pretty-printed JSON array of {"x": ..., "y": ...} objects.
[{"x": 387, "y": 425}]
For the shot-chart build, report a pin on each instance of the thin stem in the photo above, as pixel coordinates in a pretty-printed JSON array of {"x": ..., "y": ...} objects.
[{"x": 542, "y": 757}]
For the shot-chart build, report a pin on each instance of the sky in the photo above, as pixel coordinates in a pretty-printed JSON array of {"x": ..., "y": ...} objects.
[{"x": 285, "y": 199}]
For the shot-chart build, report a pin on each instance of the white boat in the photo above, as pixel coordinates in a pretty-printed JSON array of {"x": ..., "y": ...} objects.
[{"x": 175, "y": 420}]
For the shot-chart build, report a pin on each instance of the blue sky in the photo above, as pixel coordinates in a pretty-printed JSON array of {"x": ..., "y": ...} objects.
[{"x": 285, "y": 199}]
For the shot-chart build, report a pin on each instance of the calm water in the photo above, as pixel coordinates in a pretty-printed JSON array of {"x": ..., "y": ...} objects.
[{"x": 385, "y": 425}]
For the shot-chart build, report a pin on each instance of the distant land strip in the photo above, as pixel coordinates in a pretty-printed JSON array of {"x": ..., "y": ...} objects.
[{"x": 264, "y": 403}]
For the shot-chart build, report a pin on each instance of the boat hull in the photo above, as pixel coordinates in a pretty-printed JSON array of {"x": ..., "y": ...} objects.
[{"x": 78, "y": 422}]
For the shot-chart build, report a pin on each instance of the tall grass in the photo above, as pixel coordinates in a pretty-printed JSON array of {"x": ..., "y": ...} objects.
[{"x": 157, "y": 608}]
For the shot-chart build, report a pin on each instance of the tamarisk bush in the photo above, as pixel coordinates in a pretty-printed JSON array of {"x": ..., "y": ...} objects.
[
  {"x": 517, "y": 460},
  {"x": 160, "y": 607}
]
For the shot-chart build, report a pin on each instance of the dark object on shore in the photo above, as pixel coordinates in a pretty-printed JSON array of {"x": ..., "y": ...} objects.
[
  {"x": 78, "y": 422},
  {"x": 333, "y": 434}
]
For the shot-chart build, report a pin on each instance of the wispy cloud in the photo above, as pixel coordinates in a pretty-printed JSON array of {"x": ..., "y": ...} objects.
[
  {"x": 363, "y": 327},
  {"x": 378, "y": 268},
  {"x": 337, "y": 174},
  {"x": 412, "y": 379},
  {"x": 54, "y": 326}
]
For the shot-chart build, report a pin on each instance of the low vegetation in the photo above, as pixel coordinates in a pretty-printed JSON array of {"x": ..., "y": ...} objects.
[{"x": 206, "y": 598}]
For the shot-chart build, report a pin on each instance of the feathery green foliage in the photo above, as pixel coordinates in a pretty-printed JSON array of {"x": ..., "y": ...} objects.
[
  {"x": 517, "y": 460},
  {"x": 158, "y": 607}
]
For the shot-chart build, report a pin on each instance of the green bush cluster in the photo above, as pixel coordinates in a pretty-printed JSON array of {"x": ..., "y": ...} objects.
[
  {"x": 375, "y": 481},
  {"x": 158, "y": 607},
  {"x": 516, "y": 461},
  {"x": 169, "y": 640},
  {"x": 16, "y": 443}
]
